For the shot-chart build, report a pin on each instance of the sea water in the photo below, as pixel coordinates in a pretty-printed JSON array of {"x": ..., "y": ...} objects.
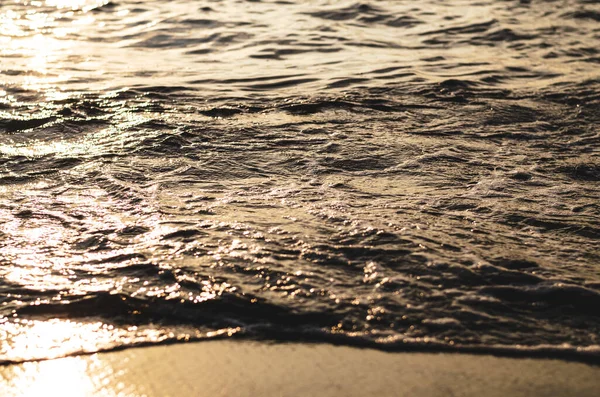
[{"x": 405, "y": 175}]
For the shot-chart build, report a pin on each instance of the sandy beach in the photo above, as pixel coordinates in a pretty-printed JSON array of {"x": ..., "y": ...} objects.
[{"x": 231, "y": 368}]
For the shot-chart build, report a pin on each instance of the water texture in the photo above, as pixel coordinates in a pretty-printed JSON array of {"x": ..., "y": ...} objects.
[{"x": 394, "y": 174}]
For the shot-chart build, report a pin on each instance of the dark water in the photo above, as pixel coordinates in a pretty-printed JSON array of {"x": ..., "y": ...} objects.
[{"x": 395, "y": 174}]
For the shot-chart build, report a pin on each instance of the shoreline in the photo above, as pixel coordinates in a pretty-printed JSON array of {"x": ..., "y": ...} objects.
[
  {"x": 244, "y": 368},
  {"x": 585, "y": 356}
]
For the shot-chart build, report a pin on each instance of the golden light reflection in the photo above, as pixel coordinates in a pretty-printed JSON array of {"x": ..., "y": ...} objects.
[
  {"x": 98, "y": 375},
  {"x": 67, "y": 377},
  {"x": 42, "y": 49},
  {"x": 31, "y": 339},
  {"x": 23, "y": 339},
  {"x": 40, "y": 40},
  {"x": 84, "y": 5}
]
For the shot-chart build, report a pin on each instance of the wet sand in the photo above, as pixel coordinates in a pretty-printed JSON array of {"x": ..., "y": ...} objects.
[{"x": 231, "y": 368}]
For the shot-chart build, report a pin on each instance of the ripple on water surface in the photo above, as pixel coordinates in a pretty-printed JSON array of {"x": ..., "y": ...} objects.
[{"x": 390, "y": 174}]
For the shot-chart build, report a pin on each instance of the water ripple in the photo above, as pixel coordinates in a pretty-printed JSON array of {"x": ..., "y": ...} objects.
[{"x": 386, "y": 174}]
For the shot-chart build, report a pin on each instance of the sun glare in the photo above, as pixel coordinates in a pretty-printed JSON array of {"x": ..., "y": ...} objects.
[
  {"x": 41, "y": 40},
  {"x": 67, "y": 377},
  {"x": 75, "y": 4},
  {"x": 52, "y": 338}
]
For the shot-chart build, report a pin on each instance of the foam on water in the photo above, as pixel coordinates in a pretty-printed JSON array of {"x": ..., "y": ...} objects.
[{"x": 388, "y": 174}]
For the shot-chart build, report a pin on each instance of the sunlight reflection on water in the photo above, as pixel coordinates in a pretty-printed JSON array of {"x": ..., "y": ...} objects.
[{"x": 70, "y": 377}]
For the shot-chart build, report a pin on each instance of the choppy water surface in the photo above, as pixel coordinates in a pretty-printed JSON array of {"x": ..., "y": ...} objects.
[{"x": 399, "y": 174}]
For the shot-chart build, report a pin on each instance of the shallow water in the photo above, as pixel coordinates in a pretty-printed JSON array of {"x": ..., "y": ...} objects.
[{"x": 395, "y": 174}]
